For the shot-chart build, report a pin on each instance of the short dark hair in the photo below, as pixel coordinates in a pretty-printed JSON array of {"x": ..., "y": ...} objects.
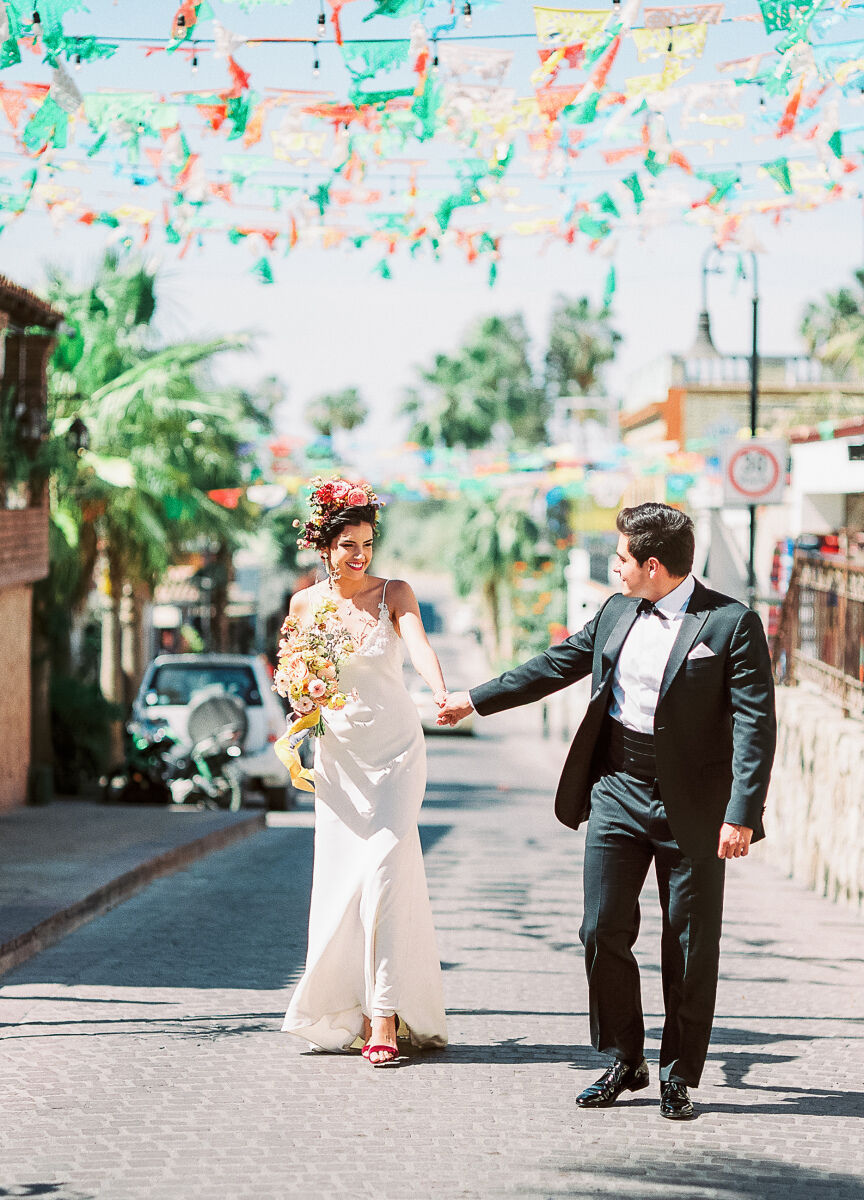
[
  {"x": 659, "y": 531},
  {"x": 356, "y": 514}
]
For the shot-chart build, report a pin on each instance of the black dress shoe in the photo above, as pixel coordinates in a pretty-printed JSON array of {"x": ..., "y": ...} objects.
[
  {"x": 675, "y": 1102},
  {"x": 621, "y": 1077}
]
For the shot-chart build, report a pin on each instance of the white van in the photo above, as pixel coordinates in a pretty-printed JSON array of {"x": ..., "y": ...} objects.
[{"x": 171, "y": 680}]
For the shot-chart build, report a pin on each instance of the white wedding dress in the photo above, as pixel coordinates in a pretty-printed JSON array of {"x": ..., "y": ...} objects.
[{"x": 372, "y": 947}]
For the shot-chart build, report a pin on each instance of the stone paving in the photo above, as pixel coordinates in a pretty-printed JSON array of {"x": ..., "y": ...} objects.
[{"x": 141, "y": 1057}]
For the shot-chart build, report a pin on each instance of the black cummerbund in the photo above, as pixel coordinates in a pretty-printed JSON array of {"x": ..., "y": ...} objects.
[{"x": 628, "y": 750}]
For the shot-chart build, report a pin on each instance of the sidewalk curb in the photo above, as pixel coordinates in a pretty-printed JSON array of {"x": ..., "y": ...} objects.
[{"x": 25, "y": 945}]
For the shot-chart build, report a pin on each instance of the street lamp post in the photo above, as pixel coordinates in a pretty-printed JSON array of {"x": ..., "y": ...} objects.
[{"x": 754, "y": 387}]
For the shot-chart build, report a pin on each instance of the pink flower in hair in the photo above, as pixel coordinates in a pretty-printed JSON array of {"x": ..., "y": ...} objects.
[
  {"x": 357, "y": 496},
  {"x": 340, "y": 489}
]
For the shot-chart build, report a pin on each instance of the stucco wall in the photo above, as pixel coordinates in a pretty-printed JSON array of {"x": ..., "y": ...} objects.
[
  {"x": 15, "y": 612},
  {"x": 815, "y": 814}
]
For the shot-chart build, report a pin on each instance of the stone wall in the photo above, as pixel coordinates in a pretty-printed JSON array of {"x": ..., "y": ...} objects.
[
  {"x": 815, "y": 814},
  {"x": 15, "y": 608}
]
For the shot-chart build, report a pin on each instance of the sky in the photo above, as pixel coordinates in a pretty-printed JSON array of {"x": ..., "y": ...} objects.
[{"x": 329, "y": 322}]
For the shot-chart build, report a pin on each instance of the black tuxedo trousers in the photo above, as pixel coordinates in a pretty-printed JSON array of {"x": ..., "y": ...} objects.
[{"x": 627, "y": 830}]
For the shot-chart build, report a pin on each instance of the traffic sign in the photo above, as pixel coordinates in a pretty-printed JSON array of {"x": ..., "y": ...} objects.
[{"x": 754, "y": 472}]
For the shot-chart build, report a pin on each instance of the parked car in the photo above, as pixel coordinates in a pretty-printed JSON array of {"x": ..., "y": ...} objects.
[{"x": 172, "y": 680}]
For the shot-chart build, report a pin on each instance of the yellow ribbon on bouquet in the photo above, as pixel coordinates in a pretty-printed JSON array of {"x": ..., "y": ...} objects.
[{"x": 288, "y": 754}]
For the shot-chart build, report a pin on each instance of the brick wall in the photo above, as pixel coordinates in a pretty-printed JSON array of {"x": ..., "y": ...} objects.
[
  {"x": 23, "y": 545},
  {"x": 15, "y": 610}
]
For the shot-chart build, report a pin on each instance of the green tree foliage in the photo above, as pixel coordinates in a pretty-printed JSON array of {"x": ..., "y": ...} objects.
[
  {"x": 833, "y": 327},
  {"x": 160, "y": 436},
  {"x": 581, "y": 342},
  {"x": 337, "y": 410},
  {"x": 494, "y": 535},
  {"x": 466, "y": 398}
]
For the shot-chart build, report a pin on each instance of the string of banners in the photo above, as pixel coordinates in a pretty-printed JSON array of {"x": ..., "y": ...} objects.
[{"x": 431, "y": 136}]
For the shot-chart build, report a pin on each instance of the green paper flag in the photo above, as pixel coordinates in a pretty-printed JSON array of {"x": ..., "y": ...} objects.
[
  {"x": 584, "y": 113},
  {"x": 365, "y": 59},
  {"x": 48, "y": 123},
  {"x": 779, "y": 172},
  {"x": 262, "y": 271},
  {"x": 608, "y": 205},
  {"x": 633, "y": 185},
  {"x": 396, "y": 8},
  {"x": 382, "y": 268},
  {"x": 609, "y": 288},
  {"x": 321, "y": 198},
  {"x": 594, "y": 228},
  {"x": 425, "y": 109},
  {"x": 835, "y": 144},
  {"x": 722, "y": 182},
  {"x": 777, "y": 14}
]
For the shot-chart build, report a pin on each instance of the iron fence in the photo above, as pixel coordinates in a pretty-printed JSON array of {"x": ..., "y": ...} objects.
[{"x": 820, "y": 637}]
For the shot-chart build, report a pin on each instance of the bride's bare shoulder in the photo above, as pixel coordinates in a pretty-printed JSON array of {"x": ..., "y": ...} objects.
[{"x": 301, "y": 601}]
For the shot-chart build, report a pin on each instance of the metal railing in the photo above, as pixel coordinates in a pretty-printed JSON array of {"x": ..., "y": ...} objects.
[{"x": 820, "y": 636}]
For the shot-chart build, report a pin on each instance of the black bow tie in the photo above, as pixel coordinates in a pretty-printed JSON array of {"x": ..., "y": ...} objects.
[{"x": 647, "y": 606}]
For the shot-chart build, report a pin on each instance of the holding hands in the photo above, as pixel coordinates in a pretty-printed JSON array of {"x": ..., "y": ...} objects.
[{"x": 453, "y": 707}]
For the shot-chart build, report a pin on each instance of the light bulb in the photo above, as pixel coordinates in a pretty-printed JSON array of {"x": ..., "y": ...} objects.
[
  {"x": 181, "y": 21},
  {"x": 322, "y": 22},
  {"x": 77, "y": 62},
  {"x": 466, "y": 13},
  {"x": 194, "y": 64},
  {"x": 37, "y": 20}
]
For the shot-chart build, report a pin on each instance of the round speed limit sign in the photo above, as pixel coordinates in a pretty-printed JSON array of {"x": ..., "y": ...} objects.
[{"x": 755, "y": 472}]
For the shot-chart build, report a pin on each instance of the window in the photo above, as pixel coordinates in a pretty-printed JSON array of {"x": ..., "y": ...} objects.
[{"x": 176, "y": 683}]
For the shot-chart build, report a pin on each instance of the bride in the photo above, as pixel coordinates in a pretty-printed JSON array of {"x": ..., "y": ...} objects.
[{"x": 372, "y": 958}]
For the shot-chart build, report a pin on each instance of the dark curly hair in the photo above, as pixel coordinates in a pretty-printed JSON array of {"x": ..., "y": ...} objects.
[
  {"x": 659, "y": 531},
  {"x": 358, "y": 514}
]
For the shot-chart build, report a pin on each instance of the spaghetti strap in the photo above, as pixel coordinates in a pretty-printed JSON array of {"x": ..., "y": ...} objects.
[{"x": 384, "y": 593}]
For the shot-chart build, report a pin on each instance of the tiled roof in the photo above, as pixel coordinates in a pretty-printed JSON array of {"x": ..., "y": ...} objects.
[{"x": 26, "y": 308}]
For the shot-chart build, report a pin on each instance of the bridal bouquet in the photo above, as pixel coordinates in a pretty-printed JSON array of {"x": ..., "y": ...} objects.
[{"x": 310, "y": 658}]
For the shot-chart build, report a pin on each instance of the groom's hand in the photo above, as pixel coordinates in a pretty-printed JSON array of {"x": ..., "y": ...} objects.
[
  {"x": 734, "y": 841},
  {"x": 456, "y": 706}
]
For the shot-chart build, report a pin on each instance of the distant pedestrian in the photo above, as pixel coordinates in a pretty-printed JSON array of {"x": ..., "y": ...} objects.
[{"x": 671, "y": 762}]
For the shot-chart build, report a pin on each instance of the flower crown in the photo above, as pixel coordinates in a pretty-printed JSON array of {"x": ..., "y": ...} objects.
[{"x": 325, "y": 502}]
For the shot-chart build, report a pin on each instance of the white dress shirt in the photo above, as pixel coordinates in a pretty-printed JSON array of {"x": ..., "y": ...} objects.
[{"x": 643, "y": 658}]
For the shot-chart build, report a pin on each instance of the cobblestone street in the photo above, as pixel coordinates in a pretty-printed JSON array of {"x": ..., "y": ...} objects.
[{"x": 142, "y": 1058}]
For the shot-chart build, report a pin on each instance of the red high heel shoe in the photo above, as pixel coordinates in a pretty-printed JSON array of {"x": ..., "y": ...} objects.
[{"x": 392, "y": 1052}]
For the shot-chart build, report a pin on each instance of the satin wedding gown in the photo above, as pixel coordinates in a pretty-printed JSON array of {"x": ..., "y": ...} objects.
[{"x": 372, "y": 945}]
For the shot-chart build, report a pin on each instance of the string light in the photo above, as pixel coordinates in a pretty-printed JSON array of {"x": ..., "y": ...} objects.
[
  {"x": 77, "y": 62},
  {"x": 316, "y": 65},
  {"x": 37, "y": 20},
  {"x": 181, "y": 21},
  {"x": 435, "y": 58},
  {"x": 466, "y": 13},
  {"x": 322, "y": 20},
  {"x": 194, "y": 61}
]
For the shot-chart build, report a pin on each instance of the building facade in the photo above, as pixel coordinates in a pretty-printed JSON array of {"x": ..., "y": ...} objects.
[{"x": 27, "y": 334}]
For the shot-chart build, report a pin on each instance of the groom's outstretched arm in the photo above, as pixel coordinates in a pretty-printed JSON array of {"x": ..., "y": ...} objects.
[{"x": 548, "y": 672}]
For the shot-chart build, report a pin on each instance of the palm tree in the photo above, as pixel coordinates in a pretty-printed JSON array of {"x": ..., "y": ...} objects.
[
  {"x": 833, "y": 328},
  {"x": 337, "y": 410},
  {"x": 581, "y": 342},
  {"x": 495, "y": 534},
  {"x": 487, "y": 387},
  {"x": 160, "y": 437}
]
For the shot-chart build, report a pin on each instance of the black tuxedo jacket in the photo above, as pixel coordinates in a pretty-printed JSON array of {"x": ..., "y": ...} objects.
[{"x": 715, "y": 728}]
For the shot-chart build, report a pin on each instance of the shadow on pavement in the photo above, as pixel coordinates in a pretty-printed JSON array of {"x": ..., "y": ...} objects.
[
  {"x": 235, "y": 920},
  {"x": 733, "y": 1176}
]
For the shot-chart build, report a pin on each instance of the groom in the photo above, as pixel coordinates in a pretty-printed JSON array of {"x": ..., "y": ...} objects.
[{"x": 671, "y": 762}]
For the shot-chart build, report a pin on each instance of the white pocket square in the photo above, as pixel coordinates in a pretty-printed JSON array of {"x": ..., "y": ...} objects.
[{"x": 701, "y": 651}]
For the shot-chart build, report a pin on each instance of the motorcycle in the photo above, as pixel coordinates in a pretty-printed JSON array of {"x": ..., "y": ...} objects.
[{"x": 203, "y": 772}]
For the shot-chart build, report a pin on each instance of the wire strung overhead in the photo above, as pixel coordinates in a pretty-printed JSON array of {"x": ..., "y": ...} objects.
[{"x": 448, "y": 137}]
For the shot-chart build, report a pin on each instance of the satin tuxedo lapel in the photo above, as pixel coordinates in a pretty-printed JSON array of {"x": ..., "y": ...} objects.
[
  {"x": 617, "y": 638},
  {"x": 691, "y": 625}
]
